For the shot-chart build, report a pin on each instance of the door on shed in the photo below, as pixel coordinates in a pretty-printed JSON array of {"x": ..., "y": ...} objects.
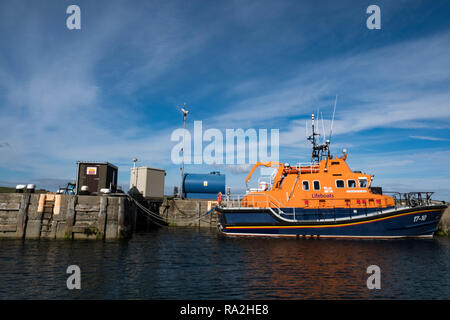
[{"x": 92, "y": 178}]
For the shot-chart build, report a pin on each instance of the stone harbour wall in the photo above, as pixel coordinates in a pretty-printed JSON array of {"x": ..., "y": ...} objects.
[
  {"x": 189, "y": 212},
  {"x": 51, "y": 216},
  {"x": 444, "y": 225}
]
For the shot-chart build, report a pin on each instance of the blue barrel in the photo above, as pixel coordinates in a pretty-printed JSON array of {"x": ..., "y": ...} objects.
[{"x": 203, "y": 186}]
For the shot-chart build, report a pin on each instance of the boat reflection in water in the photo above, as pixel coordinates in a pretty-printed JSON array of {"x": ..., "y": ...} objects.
[
  {"x": 330, "y": 269},
  {"x": 187, "y": 263}
]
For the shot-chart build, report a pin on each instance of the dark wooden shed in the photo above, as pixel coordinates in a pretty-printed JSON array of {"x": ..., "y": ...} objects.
[{"x": 97, "y": 176}]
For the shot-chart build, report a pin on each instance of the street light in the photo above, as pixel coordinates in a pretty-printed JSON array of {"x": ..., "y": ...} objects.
[
  {"x": 134, "y": 170},
  {"x": 185, "y": 113}
]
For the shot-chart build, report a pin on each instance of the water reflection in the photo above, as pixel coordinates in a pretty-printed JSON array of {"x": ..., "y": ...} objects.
[
  {"x": 200, "y": 264},
  {"x": 324, "y": 269}
]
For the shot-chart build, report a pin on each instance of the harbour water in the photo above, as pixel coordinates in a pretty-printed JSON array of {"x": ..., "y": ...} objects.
[{"x": 187, "y": 263}]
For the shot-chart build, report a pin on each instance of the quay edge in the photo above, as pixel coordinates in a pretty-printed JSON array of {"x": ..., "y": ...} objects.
[{"x": 189, "y": 212}]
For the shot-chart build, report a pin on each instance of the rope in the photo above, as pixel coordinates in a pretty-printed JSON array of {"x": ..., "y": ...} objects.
[
  {"x": 184, "y": 213},
  {"x": 164, "y": 223},
  {"x": 151, "y": 215},
  {"x": 179, "y": 210}
]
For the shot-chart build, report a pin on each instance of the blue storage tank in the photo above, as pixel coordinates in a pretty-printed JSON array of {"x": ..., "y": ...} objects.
[{"x": 203, "y": 186}]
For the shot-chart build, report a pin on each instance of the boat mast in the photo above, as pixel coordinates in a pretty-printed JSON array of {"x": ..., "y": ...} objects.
[{"x": 319, "y": 150}]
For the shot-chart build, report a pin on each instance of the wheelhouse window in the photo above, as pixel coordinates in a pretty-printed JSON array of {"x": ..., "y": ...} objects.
[
  {"x": 340, "y": 184},
  {"x": 316, "y": 185},
  {"x": 306, "y": 185},
  {"x": 351, "y": 184},
  {"x": 363, "y": 183}
]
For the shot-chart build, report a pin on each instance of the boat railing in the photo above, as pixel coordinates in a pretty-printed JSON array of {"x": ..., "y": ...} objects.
[
  {"x": 253, "y": 199},
  {"x": 312, "y": 167},
  {"x": 264, "y": 200},
  {"x": 410, "y": 199}
]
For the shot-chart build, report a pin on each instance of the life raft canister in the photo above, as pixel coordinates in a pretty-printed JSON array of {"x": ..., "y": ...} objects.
[{"x": 219, "y": 197}]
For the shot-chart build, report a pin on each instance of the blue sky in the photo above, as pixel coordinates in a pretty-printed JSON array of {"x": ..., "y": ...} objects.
[{"x": 109, "y": 92}]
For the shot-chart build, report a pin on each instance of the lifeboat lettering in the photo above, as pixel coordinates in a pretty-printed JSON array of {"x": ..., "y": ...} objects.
[{"x": 318, "y": 195}]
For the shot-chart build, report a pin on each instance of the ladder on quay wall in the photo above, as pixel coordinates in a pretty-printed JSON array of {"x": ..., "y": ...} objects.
[{"x": 49, "y": 205}]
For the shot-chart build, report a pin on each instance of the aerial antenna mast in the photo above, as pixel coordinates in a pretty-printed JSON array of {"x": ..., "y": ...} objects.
[
  {"x": 317, "y": 149},
  {"x": 332, "y": 120},
  {"x": 321, "y": 150}
]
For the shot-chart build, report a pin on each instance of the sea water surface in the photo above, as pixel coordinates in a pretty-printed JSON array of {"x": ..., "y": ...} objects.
[{"x": 191, "y": 263}]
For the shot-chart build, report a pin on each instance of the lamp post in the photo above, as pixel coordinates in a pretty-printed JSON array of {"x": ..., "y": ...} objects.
[
  {"x": 185, "y": 113},
  {"x": 134, "y": 171}
]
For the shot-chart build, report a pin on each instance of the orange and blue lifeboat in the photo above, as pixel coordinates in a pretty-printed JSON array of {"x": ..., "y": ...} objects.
[{"x": 325, "y": 198}]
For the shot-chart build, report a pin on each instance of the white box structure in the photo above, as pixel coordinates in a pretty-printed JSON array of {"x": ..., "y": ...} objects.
[{"x": 149, "y": 181}]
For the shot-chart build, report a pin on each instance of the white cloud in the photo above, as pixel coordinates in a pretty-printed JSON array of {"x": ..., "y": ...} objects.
[{"x": 428, "y": 138}]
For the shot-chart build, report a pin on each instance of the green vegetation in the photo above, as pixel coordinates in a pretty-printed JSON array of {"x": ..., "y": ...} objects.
[
  {"x": 442, "y": 231},
  {"x": 7, "y": 190}
]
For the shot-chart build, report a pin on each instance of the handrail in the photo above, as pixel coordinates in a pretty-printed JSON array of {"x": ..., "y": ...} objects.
[
  {"x": 411, "y": 199},
  {"x": 292, "y": 216},
  {"x": 312, "y": 165},
  {"x": 401, "y": 200},
  {"x": 250, "y": 199},
  {"x": 295, "y": 183}
]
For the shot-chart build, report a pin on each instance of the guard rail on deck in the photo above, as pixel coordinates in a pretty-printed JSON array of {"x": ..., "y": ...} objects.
[
  {"x": 257, "y": 200},
  {"x": 411, "y": 199},
  {"x": 312, "y": 167},
  {"x": 263, "y": 200}
]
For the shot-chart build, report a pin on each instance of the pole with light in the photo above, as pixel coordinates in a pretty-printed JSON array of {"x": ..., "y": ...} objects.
[
  {"x": 134, "y": 171},
  {"x": 185, "y": 113}
]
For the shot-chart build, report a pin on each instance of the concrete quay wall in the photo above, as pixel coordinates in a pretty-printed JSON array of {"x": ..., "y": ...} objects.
[
  {"x": 51, "y": 216},
  {"x": 444, "y": 225},
  {"x": 189, "y": 213}
]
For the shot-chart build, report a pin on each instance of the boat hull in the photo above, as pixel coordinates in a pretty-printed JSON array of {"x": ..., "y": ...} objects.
[{"x": 392, "y": 223}]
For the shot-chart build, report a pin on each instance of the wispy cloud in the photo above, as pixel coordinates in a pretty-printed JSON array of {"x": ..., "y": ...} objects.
[{"x": 428, "y": 138}]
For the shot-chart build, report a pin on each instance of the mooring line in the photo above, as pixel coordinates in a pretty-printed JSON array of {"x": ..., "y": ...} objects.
[{"x": 165, "y": 222}]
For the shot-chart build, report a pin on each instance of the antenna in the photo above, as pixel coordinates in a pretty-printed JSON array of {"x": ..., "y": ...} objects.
[
  {"x": 183, "y": 109},
  {"x": 318, "y": 119},
  {"x": 332, "y": 120},
  {"x": 306, "y": 128}
]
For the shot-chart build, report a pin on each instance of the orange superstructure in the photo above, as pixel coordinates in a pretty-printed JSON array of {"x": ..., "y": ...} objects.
[{"x": 326, "y": 182}]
